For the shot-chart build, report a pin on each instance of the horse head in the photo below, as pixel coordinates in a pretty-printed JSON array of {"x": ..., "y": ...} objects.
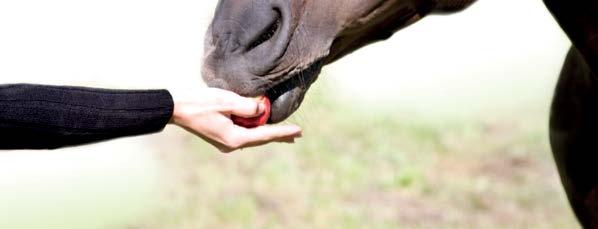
[{"x": 278, "y": 47}]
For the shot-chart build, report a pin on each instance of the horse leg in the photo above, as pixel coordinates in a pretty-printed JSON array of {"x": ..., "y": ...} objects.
[{"x": 574, "y": 136}]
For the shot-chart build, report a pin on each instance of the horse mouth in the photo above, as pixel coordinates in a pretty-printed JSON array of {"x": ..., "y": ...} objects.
[{"x": 286, "y": 96}]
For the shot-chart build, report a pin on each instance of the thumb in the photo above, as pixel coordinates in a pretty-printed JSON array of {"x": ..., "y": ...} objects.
[{"x": 245, "y": 107}]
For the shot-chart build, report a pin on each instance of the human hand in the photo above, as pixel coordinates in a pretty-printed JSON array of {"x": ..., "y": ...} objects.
[{"x": 207, "y": 115}]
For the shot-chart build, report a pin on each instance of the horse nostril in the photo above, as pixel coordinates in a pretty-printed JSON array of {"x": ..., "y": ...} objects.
[{"x": 267, "y": 33}]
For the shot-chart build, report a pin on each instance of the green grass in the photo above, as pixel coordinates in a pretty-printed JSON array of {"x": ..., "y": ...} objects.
[{"x": 361, "y": 168}]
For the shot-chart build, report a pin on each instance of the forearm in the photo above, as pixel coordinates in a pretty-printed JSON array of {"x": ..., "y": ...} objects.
[{"x": 47, "y": 117}]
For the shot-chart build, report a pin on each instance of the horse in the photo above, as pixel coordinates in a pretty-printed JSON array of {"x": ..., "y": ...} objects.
[{"x": 278, "y": 47}]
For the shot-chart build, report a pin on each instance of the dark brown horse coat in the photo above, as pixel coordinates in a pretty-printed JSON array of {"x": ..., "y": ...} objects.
[{"x": 574, "y": 115}]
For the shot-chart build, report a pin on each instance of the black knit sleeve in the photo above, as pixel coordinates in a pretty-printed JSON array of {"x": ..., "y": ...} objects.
[{"x": 49, "y": 117}]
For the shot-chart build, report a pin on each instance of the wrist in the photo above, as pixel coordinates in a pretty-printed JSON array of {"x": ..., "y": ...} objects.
[{"x": 176, "y": 114}]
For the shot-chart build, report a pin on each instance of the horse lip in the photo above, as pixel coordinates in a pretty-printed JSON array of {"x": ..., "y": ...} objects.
[
  {"x": 286, "y": 96},
  {"x": 287, "y": 103}
]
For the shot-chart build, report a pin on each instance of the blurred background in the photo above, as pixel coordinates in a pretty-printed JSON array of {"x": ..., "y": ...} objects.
[{"x": 444, "y": 125}]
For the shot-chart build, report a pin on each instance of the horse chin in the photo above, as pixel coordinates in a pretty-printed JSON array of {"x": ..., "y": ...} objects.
[{"x": 286, "y": 97}]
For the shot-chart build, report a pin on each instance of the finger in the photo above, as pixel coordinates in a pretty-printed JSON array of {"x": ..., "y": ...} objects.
[
  {"x": 243, "y": 107},
  {"x": 232, "y": 103},
  {"x": 253, "y": 137},
  {"x": 265, "y": 134}
]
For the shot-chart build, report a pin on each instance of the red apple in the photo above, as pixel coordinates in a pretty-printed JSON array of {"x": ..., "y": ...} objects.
[{"x": 255, "y": 121}]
